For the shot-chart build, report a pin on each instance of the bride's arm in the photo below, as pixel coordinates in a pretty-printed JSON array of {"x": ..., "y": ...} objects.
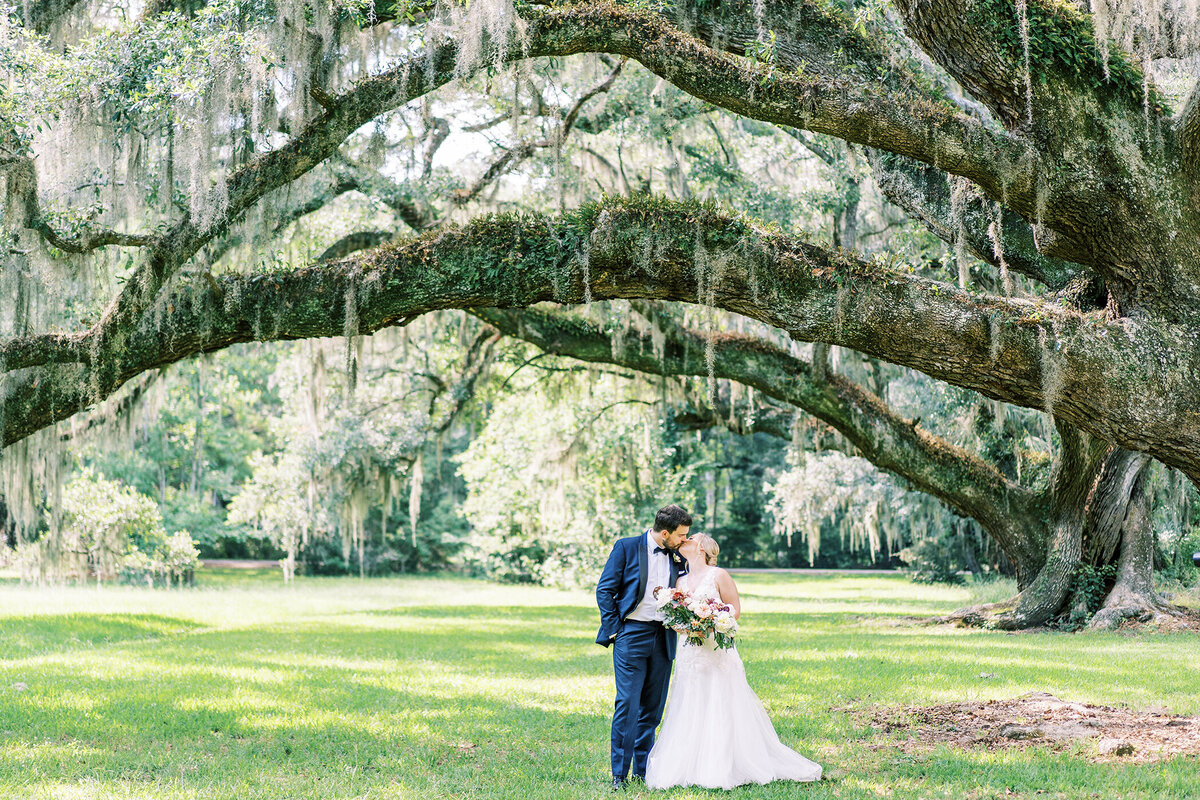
[{"x": 729, "y": 592}]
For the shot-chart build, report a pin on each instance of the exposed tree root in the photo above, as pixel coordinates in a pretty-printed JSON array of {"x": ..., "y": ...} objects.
[
  {"x": 1125, "y": 609},
  {"x": 999, "y": 615}
]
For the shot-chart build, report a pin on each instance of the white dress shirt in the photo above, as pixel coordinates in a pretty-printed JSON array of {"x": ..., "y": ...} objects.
[{"x": 658, "y": 573}]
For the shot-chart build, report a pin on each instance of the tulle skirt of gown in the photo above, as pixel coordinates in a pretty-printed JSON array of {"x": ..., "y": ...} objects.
[{"x": 716, "y": 733}]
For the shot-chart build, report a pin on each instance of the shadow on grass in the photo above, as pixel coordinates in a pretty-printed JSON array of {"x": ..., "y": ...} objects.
[
  {"x": 33, "y": 635},
  {"x": 423, "y": 708}
]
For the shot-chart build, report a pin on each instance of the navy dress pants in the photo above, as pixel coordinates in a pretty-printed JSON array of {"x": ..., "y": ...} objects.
[{"x": 643, "y": 670}]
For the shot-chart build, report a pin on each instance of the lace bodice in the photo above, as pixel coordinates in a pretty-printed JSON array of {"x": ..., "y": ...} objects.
[{"x": 706, "y": 588}]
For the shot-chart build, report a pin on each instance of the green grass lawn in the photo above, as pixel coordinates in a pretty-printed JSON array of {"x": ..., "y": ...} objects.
[{"x": 448, "y": 688}]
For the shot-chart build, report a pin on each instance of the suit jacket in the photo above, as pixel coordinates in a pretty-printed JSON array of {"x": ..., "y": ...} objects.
[{"x": 622, "y": 585}]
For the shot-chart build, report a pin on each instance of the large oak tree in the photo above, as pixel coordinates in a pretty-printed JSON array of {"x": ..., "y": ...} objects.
[{"x": 1019, "y": 132}]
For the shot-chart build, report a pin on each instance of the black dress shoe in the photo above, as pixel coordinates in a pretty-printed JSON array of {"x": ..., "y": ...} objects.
[{"x": 618, "y": 784}]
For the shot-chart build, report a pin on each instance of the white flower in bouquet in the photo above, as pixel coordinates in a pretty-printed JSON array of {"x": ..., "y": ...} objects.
[
  {"x": 662, "y": 596},
  {"x": 724, "y": 622}
]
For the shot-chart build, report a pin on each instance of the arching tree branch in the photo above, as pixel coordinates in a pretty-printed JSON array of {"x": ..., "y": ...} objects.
[
  {"x": 22, "y": 187},
  {"x": 1097, "y": 373},
  {"x": 915, "y": 126},
  {"x": 964, "y": 482},
  {"x": 353, "y": 243}
]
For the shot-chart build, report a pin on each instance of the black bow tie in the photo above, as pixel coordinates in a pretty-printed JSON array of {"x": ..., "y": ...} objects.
[{"x": 661, "y": 550}]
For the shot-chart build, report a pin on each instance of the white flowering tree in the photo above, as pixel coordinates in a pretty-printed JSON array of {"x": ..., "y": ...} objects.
[
  {"x": 109, "y": 530},
  {"x": 562, "y": 466},
  {"x": 274, "y": 503}
]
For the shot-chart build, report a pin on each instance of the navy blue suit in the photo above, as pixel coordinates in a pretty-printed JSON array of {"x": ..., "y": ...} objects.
[{"x": 642, "y": 652}]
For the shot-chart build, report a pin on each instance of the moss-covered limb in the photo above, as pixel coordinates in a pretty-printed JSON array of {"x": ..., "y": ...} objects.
[
  {"x": 988, "y": 44},
  {"x": 23, "y": 195},
  {"x": 1130, "y": 382},
  {"x": 113, "y": 412},
  {"x": 354, "y": 242},
  {"x": 1111, "y": 196},
  {"x": 88, "y": 239},
  {"x": 924, "y": 193},
  {"x": 44, "y": 348},
  {"x": 963, "y": 481},
  {"x": 813, "y": 36}
]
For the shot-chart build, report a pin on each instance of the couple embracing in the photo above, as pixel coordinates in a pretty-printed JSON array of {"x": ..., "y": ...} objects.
[{"x": 716, "y": 733}]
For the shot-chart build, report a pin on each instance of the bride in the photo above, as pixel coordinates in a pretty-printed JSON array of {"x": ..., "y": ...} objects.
[{"x": 716, "y": 733}]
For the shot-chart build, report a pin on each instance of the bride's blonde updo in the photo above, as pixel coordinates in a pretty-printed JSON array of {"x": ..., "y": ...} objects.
[{"x": 708, "y": 546}]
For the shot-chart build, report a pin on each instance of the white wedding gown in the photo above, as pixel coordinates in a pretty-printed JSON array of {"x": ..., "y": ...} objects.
[{"x": 716, "y": 733}]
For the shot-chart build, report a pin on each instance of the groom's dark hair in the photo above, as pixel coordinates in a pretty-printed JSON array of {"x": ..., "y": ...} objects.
[{"x": 671, "y": 517}]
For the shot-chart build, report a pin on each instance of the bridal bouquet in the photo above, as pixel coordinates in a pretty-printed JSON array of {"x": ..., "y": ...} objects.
[{"x": 696, "y": 618}]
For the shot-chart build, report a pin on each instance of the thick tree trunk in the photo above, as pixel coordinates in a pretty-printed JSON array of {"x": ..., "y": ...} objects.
[
  {"x": 1076, "y": 473},
  {"x": 1092, "y": 518},
  {"x": 1133, "y": 595},
  {"x": 1123, "y": 470}
]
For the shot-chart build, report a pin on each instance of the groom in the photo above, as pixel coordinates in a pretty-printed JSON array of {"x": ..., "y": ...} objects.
[{"x": 642, "y": 647}]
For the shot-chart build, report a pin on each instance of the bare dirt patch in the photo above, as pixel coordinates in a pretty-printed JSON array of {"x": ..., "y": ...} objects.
[{"x": 1039, "y": 720}]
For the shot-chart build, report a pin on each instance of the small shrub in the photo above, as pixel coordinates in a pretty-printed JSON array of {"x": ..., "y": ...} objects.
[{"x": 110, "y": 531}]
